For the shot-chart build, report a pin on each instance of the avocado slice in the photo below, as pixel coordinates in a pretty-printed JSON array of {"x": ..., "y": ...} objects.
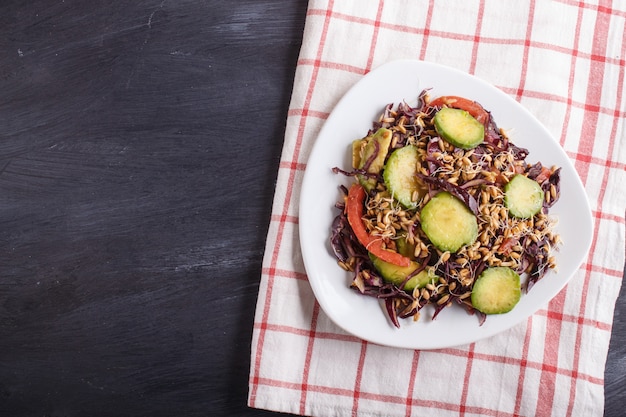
[
  {"x": 375, "y": 146},
  {"x": 397, "y": 274},
  {"x": 405, "y": 248}
]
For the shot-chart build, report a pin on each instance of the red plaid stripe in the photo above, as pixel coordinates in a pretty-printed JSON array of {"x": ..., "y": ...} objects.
[
  {"x": 288, "y": 351},
  {"x": 274, "y": 256}
]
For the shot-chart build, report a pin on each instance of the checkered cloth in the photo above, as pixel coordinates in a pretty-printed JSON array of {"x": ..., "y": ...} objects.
[{"x": 564, "y": 60}]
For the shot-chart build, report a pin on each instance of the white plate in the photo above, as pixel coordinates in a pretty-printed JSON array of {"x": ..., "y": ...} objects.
[{"x": 364, "y": 316}]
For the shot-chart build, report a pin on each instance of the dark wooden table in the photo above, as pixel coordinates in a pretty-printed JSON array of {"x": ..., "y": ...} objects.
[{"x": 139, "y": 146}]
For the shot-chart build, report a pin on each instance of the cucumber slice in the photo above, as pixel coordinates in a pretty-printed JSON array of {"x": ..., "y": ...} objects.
[
  {"x": 400, "y": 176},
  {"x": 448, "y": 223},
  {"x": 376, "y": 147},
  {"x": 459, "y": 128},
  {"x": 523, "y": 197},
  {"x": 397, "y": 274},
  {"x": 497, "y": 290}
]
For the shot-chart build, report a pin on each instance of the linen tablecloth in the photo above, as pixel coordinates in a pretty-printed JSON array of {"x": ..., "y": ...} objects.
[{"x": 564, "y": 61}]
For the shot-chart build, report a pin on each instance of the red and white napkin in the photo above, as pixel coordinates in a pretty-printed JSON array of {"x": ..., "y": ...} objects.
[{"x": 563, "y": 60}]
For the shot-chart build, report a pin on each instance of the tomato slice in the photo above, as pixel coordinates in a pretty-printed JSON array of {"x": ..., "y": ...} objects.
[
  {"x": 354, "y": 211},
  {"x": 507, "y": 245},
  {"x": 473, "y": 108},
  {"x": 374, "y": 244},
  {"x": 543, "y": 175}
]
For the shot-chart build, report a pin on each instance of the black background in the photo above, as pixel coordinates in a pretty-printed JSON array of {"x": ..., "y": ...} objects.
[{"x": 139, "y": 146}]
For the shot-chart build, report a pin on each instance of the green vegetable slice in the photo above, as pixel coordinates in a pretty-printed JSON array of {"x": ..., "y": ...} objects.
[
  {"x": 404, "y": 247},
  {"x": 496, "y": 291},
  {"x": 459, "y": 128},
  {"x": 400, "y": 176},
  {"x": 398, "y": 274},
  {"x": 448, "y": 223},
  {"x": 370, "y": 154},
  {"x": 523, "y": 197}
]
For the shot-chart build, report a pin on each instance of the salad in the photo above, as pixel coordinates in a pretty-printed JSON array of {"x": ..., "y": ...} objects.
[{"x": 444, "y": 209}]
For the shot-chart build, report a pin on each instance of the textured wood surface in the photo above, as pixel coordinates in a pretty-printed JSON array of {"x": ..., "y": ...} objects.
[{"x": 139, "y": 145}]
